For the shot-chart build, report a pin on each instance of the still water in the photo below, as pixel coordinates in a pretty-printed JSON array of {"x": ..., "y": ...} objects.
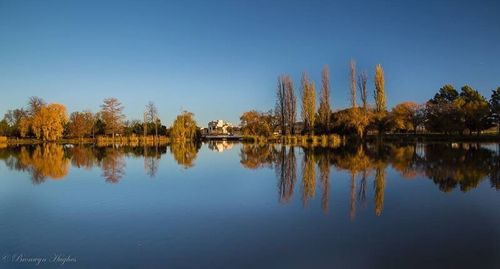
[{"x": 224, "y": 205}]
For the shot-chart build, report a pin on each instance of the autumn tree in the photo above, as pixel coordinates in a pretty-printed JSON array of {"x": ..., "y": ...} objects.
[
  {"x": 351, "y": 121},
  {"x": 256, "y": 123},
  {"x": 495, "y": 107},
  {"x": 352, "y": 82},
  {"x": 308, "y": 103},
  {"x": 48, "y": 122},
  {"x": 407, "y": 116},
  {"x": 25, "y": 123},
  {"x": 291, "y": 106},
  {"x": 151, "y": 117},
  {"x": 184, "y": 127},
  {"x": 380, "y": 115},
  {"x": 280, "y": 108},
  {"x": 363, "y": 91},
  {"x": 81, "y": 124},
  {"x": 325, "y": 110},
  {"x": 112, "y": 116},
  {"x": 286, "y": 105}
]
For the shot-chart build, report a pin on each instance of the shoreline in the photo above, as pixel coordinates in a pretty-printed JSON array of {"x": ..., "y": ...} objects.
[{"x": 321, "y": 140}]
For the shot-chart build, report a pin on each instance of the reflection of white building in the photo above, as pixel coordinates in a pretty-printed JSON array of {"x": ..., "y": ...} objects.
[
  {"x": 219, "y": 127},
  {"x": 219, "y": 146}
]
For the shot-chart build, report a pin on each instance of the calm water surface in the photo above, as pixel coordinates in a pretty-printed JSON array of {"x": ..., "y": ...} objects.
[{"x": 223, "y": 205}]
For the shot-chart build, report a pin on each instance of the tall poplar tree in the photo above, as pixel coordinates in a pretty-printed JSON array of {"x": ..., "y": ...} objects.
[{"x": 325, "y": 110}]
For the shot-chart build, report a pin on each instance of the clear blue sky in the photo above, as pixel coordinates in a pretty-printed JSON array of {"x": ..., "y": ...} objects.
[{"x": 220, "y": 58}]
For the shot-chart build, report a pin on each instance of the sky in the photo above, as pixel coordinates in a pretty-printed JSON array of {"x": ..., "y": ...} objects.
[{"x": 219, "y": 59}]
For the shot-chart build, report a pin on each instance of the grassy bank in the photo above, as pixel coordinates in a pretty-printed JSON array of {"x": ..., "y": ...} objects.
[
  {"x": 490, "y": 137},
  {"x": 101, "y": 140},
  {"x": 332, "y": 140}
]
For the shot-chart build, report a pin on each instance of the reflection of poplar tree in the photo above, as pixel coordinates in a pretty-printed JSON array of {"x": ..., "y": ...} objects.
[
  {"x": 352, "y": 211},
  {"x": 379, "y": 189},
  {"x": 362, "y": 188},
  {"x": 324, "y": 174},
  {"x": 287, "y": 174},
  {"x": 308, "y": 177},
  {"x": 151, "y": 161}
]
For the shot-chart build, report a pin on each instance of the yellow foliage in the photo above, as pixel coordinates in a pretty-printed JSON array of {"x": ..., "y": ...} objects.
[{"x": 48, "y": 122}]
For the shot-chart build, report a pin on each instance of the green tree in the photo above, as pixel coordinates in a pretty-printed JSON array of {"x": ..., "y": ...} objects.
[
  {"x": 495, "y": 107},
  {"x": 442, "y": 111},
  {"x": 474, "y": 109}
]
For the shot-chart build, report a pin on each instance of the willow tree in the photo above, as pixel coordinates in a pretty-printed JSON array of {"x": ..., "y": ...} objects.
[
  {"x": 380, "y": 116},
  {"x": 49, "y": 121},
  {"x": 325, "y": 110},
  {"x": 308, "y": 103},
  {"x": 112, "y": 115},
  {"x": 184, "y": 127},
  {"x": 352, "y": 82}
]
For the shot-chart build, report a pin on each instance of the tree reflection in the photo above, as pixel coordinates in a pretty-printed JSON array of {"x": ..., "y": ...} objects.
[
  {"x": 308, "y": 176},
  {"x": 324, "y": 176},
  {"x": 286, "y": 172},
  {"x": 253, "y": 156},
  {"x": 152, "y": 158},
  {"x": 458, "y": 165},
  {"x": 44, "y": 161},
  {"x": 82, "y": 157},
  {"x": 185, "y": 153},
  {"x": 113, "y": 165}
]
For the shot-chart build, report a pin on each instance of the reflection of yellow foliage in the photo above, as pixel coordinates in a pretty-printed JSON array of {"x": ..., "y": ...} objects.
[
  {"x": 45, "y": 161},
  {"x": 402, "y": 160},
  {"x": 254, "y": 156},
  {"x": 82, "y": 157},
  {"x": 184, "y": 153},
  {"x": 354, "y": 163},
  {"x": 379, "y": 190},
  {"x": 308, "y": 178},
  {"x": 324, "y": 175}
]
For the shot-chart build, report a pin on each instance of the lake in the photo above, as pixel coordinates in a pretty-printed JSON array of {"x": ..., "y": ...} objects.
[{"x": 234, "y": 205}]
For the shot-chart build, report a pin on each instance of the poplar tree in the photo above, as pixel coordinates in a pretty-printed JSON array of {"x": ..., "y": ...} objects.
[
  {"x": 308, "y": 103},
  {"x": 352, "y": 82},
  {"x": 325, "y": 110}
]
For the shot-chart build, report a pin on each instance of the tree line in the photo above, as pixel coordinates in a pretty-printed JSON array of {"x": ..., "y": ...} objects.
[
  {"x": 50, "y": 122},
  {"x": 448, "y": 112}
]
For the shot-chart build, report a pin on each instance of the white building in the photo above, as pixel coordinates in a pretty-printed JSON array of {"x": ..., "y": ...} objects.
[{"x": 219, "y": 127}]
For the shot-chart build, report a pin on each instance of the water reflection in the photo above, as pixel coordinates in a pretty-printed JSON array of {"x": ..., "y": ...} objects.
[
  {"x": 449, "y": 166},
  {"x": 185, "y": 153}
]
